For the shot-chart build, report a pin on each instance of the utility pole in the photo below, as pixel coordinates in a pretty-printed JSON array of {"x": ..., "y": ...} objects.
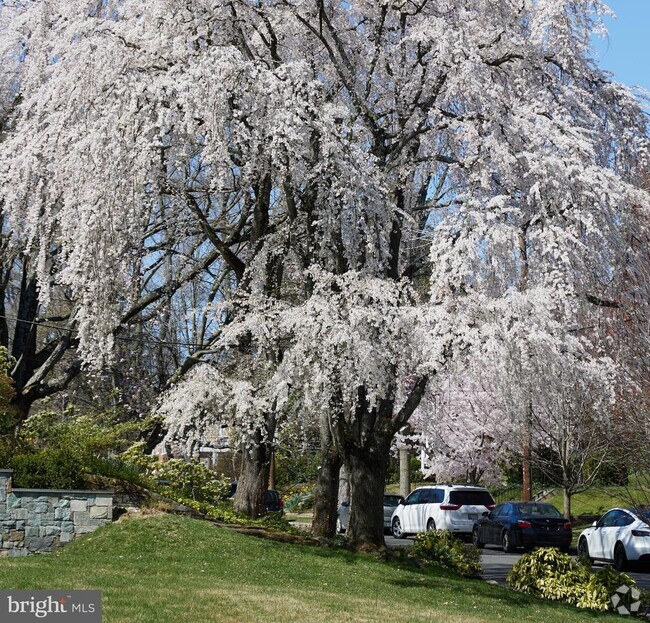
[{"x": 404, "y": 464}]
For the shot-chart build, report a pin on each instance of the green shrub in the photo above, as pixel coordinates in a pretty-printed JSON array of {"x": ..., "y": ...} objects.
[
  {"x": 118, "y": 469},
  {"x": 192, "y": 480},
  {"x": 178, "y": 478},
  {"x": 602, "y": 585},
  {"x": 48, "y": 469},
  {"x": 550, "y": 574},
  {"x": 83, "y": 434},
  {"x": 445, "y": 550},
  {"x": 223, "y": 512}
]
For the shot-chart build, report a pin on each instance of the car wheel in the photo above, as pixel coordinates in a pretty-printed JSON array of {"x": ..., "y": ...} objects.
[
  {"x": 477, "y": 540},
  {"x": 398, "y": 533},
  {"x": 583, "y": 551},
  {"x": 339, "y": 527},
  {"x": 431, "y": 525},
  {"x": 620, "y": 557},
  {"x": 506, "y": 542}
]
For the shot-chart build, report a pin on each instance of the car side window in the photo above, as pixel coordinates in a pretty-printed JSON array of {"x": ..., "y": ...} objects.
[
  {"x": 507, "y": 511},
  {"x": 496, "y": 512},
  {"x": 623, "y": 519},
  {"x": 414, "y": 498},
  {"x": 608, "y": 520},
  {"x": 438, "y": 496}
]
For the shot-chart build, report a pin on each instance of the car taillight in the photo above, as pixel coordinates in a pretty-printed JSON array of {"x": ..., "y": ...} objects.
[
  {"x": 449, "y": 507},
  {"x": 640, "y": 533},
  {"x": 490, "y": 506},
  {"x": 567, "y": 526},
  {"x": 280, "y": 502},
  {"x": 524, "y": 524}
]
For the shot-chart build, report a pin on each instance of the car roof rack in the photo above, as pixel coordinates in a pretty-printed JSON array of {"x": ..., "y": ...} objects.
[{"x": 458, "y": 484}]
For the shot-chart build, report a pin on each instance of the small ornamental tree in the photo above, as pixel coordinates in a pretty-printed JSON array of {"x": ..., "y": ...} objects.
[{"x": 460, "y": 428}]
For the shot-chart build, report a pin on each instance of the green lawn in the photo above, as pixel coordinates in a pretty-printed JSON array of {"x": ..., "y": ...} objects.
[
  {"x": 600, "y": 499},
  {"x": 167, "y": 568}
]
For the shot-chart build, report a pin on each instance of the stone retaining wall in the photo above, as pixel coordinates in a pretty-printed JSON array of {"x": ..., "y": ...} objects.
[{"x": 38, "y": 520}]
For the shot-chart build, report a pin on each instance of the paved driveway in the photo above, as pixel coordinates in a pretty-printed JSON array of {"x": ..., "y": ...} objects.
[{"x": 497, "y": 564}]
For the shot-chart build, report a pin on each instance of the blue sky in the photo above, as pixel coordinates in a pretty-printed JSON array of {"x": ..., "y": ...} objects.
[{"x": 626, "y": 52}]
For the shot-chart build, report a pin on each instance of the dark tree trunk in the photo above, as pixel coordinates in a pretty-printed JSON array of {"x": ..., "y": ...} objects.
[
  {"x": 364, "y": 444},
  {"x": 24, "y": 345},
  {"x": 368, "y": 470},
  {"x": 253, "y": 481},
  {"x": 22, "y": 406},
  {"x": 327, "y": 484}
]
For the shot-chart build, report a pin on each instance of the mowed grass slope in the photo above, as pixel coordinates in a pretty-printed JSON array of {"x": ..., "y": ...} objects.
[{"x": 167, "y": 568}]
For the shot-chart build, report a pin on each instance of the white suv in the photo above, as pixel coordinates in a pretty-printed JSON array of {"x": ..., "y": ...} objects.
[{"x": 441, "y": 507}]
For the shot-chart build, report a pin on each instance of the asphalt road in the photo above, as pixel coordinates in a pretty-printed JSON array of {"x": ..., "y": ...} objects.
[{"x": 497, "y": 564}]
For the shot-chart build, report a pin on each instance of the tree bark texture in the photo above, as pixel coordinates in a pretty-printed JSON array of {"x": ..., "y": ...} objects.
[
  {"x": 252, "y": 486},
  {"x": 326, "y": 493},
  {"x": 368, "y": 470},
  {"x": 327, "y": 483},
  {"x": 364, "y": 442}
]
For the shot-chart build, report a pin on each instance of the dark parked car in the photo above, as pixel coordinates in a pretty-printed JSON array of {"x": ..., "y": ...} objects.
[
  {"x": 523, "y": 524},
  {"x": 391, "y": 502},
  {"x": 274, "y": 503}
]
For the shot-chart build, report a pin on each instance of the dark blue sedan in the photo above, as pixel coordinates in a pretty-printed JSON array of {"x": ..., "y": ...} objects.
[{"x": 523, "y": 524}]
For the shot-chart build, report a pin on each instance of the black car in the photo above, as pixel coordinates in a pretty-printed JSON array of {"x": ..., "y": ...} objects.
[
  {"x": 274, "y": 503},
  {"x": 523, "y": 524}
]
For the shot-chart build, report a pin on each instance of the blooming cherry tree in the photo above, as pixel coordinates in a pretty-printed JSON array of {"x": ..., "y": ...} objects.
[{"x": 316, "y": 163}]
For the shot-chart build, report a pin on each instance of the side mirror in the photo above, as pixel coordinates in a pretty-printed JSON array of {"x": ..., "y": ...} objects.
[{"x": 484, "y": 514}]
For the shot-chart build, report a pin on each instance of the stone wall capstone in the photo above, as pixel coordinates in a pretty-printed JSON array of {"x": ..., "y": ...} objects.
[{"x": 39, "y": 520}]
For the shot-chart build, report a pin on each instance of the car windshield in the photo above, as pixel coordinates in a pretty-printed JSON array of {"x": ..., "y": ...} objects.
[
  {"x": 472, "y": 498},
  {"x": 392, "y": 500},
  {"x": 538, "y": 510}
]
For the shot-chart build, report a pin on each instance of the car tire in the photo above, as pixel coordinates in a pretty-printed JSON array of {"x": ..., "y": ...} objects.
[
  {"x": 476, "y": 539},
  {"x": 506, "y": 542},
  {"x": 396, "y": 526},
  {"x": 339, "y": 527},
  {"x": 620, "y": 557},
  {"x": 583, "y": 551},
  {"x": 431, "y": 525}
]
